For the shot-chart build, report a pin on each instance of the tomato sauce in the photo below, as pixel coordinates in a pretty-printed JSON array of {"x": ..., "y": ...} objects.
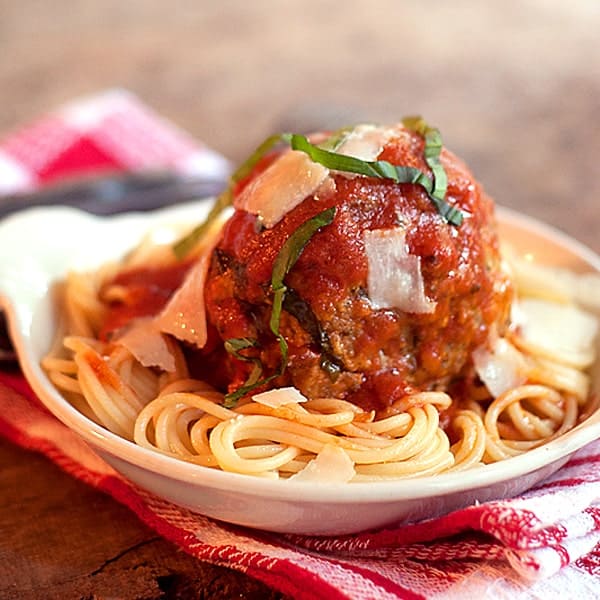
[
  {"x": 376, "y": 356},
  {"x": 383, "y": 353},
  {"x": 146, "y": 291}
]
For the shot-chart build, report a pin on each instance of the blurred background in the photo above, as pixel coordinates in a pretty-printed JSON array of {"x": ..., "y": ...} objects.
[{"x": 514, "y": 86}]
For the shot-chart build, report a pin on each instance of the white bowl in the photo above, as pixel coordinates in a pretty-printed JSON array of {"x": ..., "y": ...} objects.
[{"x": 39, "y": 245}]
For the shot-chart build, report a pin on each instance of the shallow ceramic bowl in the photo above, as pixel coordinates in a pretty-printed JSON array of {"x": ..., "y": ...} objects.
[{"x": 38, "y": 246}]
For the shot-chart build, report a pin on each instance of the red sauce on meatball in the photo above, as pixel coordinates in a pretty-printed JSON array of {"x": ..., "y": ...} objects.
[
  {"x": 382, "y": 353},
  {"x": 379, "y": 355}
]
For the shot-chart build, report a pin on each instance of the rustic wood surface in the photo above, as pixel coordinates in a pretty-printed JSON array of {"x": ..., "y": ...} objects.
[{"x": 514, "y": 86}]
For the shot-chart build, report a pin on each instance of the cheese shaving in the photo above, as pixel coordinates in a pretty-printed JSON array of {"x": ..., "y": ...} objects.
[
  {"x": 148, "y": 345},
  {"x": 500, "y": 366},
  {"x": 365, "y": 142},
  {"x": 563, "y": 331},
  {"x": 279, "y": 397},
  {"x": 394, "y": 278},
  {"x": 281, "y": 187},
  {"x": 331, "y": 465}
]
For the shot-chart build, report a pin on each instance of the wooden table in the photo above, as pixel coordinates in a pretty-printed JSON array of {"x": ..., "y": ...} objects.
[{"x": 514, "y": 87}]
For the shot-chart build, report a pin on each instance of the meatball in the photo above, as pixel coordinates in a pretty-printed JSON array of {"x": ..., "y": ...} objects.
[{"x": 340, "y": 344}]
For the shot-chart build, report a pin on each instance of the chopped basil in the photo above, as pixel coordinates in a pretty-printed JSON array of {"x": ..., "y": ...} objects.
[
  {"x": 381, "y": 169},
  {"x": 431, "y": 152},
  {"x": 330, "y": 365},
  {"x": 299, "y": 308},
  {"x": 225, "y": 199},
  {"x": 284, "y": 261},
  {"x": 246, "y": 167},
  {"x": 185, "y": 244},
  {"x": 350, "y": 164},
  {"x": 335, "y": 140},
  {"x": 325, "y": 154},
  {"x": 234, "y": 347}
]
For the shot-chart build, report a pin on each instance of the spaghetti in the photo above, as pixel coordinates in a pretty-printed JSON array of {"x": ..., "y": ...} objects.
[{"x": 500, "y": 393}]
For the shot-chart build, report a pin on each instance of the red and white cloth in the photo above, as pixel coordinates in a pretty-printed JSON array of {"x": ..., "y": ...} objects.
[
  {"x": 543, "y": 544},
  {"x": 109, "y": 132}
]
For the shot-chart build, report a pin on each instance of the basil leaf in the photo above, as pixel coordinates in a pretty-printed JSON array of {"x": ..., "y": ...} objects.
[
  {"x": 182, "y": 247},
  {"x": 232, "y": 398},
  {"x": 299, "y": 308},
  {"x": 284, "y": 261},
  {"x": 431, "y": 153},
  {"x": 234, "y": 346},
  {"x": 335, "y": 140},
  {"x": 246, "y": 167},
  {"x": 381, "y": 169},
  {"x": 225, "y": 199},
  {"x": 331, "y": 366},
  {"x": 251, "y": 383},
  {"x": 350, "y": 164}
]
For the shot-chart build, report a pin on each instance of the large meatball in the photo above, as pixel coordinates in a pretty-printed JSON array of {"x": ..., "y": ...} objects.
[{"x": 340, "y": 344}]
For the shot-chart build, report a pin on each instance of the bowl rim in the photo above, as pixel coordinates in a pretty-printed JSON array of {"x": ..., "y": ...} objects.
[{"x": 340, "y": 493}]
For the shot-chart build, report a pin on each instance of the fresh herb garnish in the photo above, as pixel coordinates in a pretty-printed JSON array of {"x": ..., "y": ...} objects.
[
  {"x": 182, "y": 247},
  {"x": 336, "y": 139},
  {"x": 431, "y": 152},
  {"x": 324, "y": 153},
  {"x": 299, "y": 308},
  {"x": 234, "y": 346},
  {"x": 284, "y": 261},
  {"x": 381, "y": 169},
  {"x": 295, "y": 305},
  {"x": 225, "y": 199}
]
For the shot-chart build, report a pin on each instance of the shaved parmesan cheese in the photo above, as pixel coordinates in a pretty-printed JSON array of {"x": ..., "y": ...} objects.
[
  {"x": 500, "y": 366},
  {"x": 281, "y": 187},
  {"x": 331, "y": 465},
  {"x": 560, "y": 330},
  {"x": 552, "y": 283},
  {"x": 185, "y": 315},
  {"x": 364, "y": 142},
  {"x": 394, "y": 279},
  {"x": 279, "y": 397},
  {"x": 148, "y": 345}
]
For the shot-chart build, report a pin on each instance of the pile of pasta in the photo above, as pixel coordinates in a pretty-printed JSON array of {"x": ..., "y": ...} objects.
[{"x": 529, "y": 387}]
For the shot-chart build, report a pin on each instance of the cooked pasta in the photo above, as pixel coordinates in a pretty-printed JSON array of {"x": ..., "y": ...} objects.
[{"x": 155, "y": 348}]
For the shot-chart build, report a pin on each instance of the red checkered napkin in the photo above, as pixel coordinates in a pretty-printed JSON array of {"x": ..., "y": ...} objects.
[
  {"x": 543, "y": 544},
  {"x": 108, "y": 132}
]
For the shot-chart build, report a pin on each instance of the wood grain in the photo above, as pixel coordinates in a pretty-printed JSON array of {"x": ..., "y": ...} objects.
[
  {"x": 514, "y": 86},
  {"x": 61, "y": 539}
]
